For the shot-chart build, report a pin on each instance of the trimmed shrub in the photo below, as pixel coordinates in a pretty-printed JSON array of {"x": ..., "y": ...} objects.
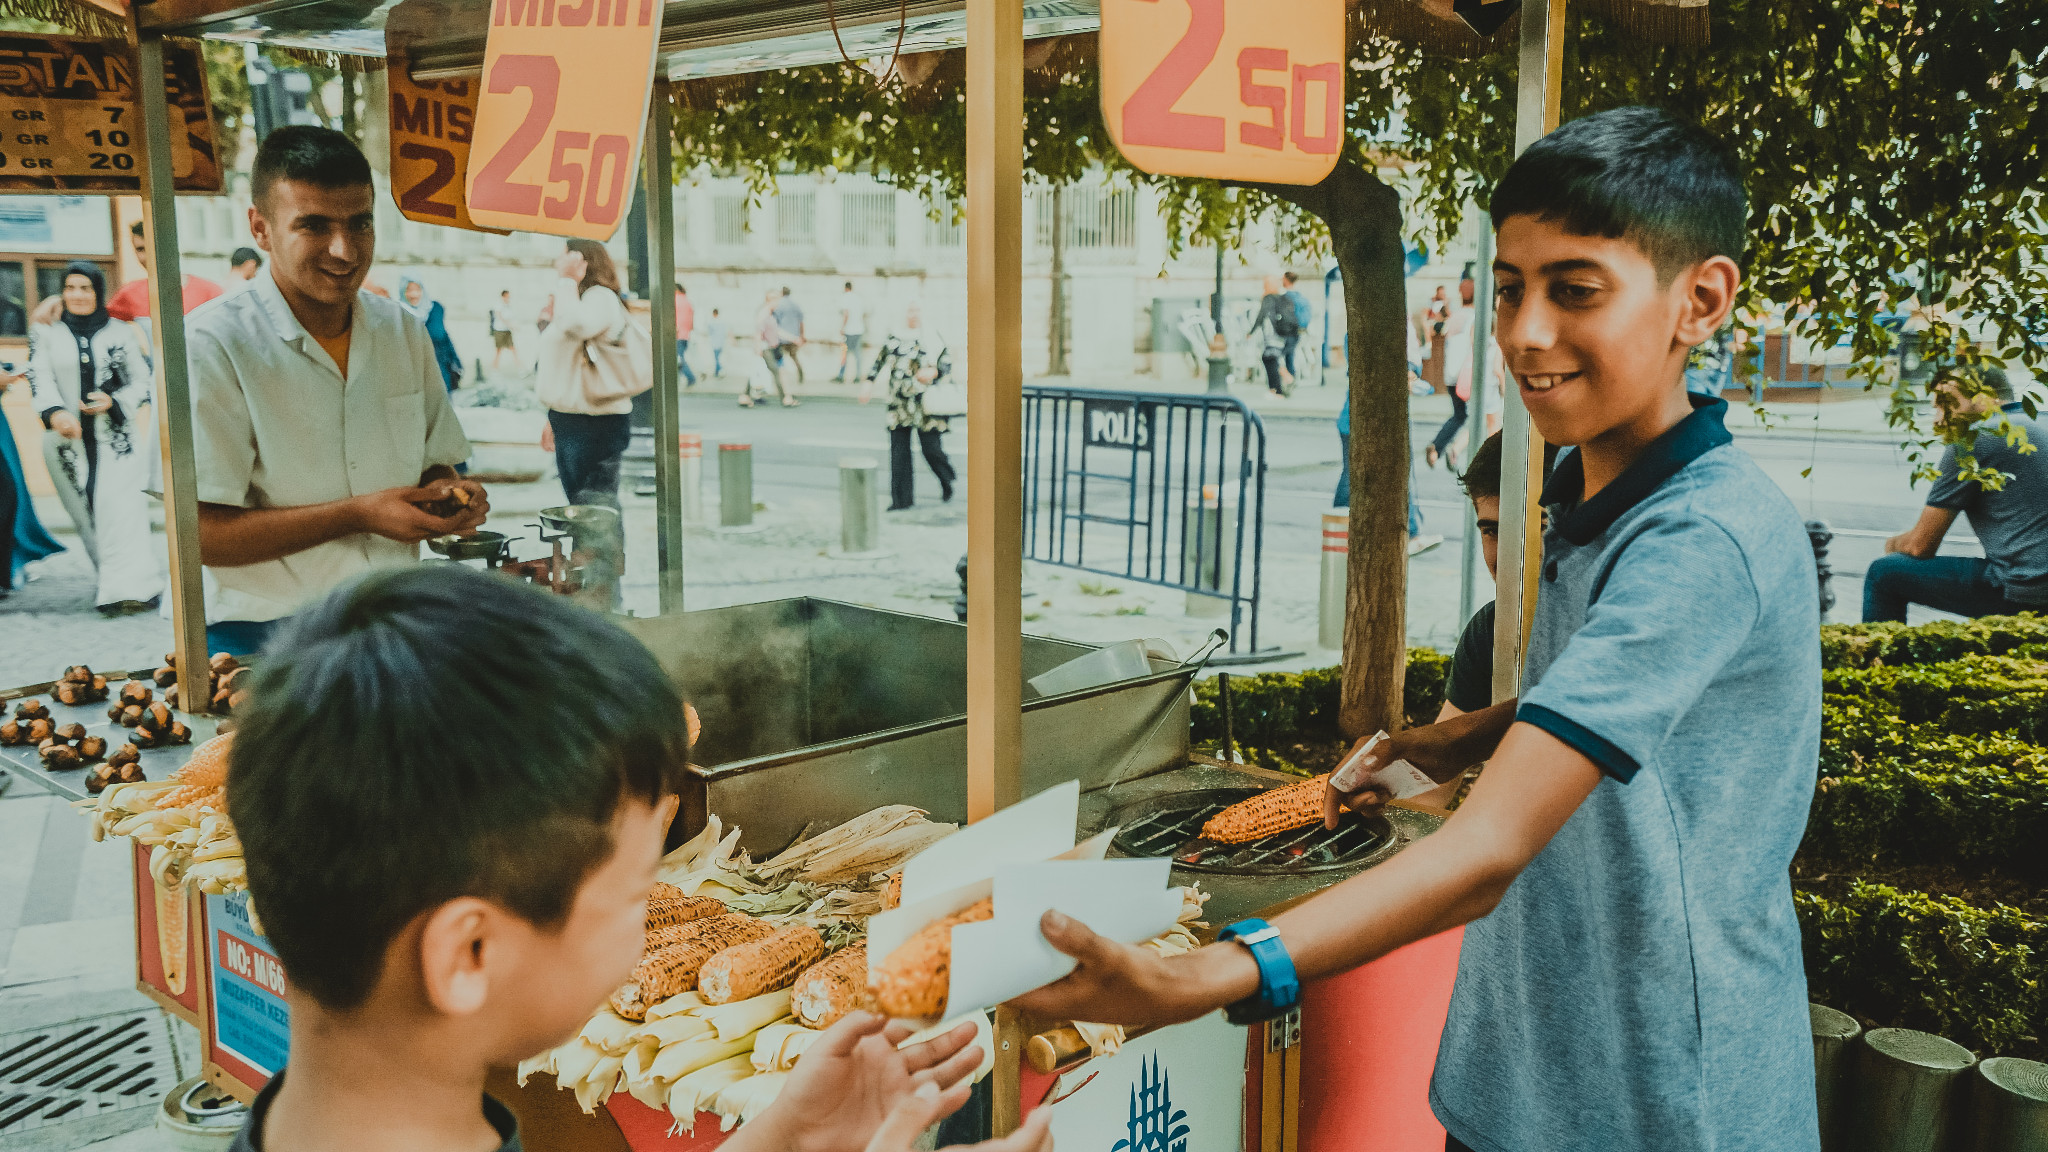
[
  {"x": 1865, "y": 645},
  {"x": 1934, "y": 811},
  {"x": 1274, "y": 711},
  {"x": 1937, "y": 963},
  {"x": 1972, "y": 695}
]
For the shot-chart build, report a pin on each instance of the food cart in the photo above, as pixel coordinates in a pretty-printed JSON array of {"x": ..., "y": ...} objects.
[{"x": 204, "y": 958}]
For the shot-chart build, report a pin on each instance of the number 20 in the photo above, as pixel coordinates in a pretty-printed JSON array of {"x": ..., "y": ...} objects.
[{"x": 1149, "y": 118}]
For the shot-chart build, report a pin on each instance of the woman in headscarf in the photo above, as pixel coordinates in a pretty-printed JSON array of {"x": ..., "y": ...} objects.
[
  {"x": 412, "y": 294},
  {"x": 22, "y": 538},
  {"x": 89, "y": 377}
]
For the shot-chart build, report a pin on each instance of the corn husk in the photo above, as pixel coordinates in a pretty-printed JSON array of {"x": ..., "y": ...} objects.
[
  {"x": 826, "y": 853},
  {"x": 574, "y": 1060},
  {"x": 689, "y": 1095},
  {"x": 776, "y": 902},
  {"x": 777, "y": 1047},
  {"x": 536, "y": 1065},
  {"x": 678, "y": 1003},
  {"x": 679, "y": 1060},
  {"x": 675, "y": 1029},
  {"x": 598, "y": 1085},
  {"x": 745, "y": 1017},
  {"x": 608, "y": 1031},
  {"x": 709, "y": 864},
  {"x": 876, "y": 854},
  {"x": 745, "y": 1099}
]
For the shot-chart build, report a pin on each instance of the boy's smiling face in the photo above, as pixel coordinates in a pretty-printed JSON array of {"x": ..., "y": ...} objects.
[{"x": 1594, "y": 338}]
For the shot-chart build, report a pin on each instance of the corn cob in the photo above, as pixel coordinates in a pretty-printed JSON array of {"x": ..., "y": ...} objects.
[
  {"x": 892, "y": 892},
  {"x": 830, "y": 988},
  {"x": 663, "y": 890},
  {"x": 663, "y": 911},
  {"x": 208, "y": 766},
  {"x": 744, "y": 971},
  {"x": 914, "y": 980},
  {"x": 1274, "y": 810},
  {"x": 673, "y": 968}
]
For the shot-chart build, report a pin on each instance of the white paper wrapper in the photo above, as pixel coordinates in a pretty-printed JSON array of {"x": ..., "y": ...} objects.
[{"x": 1399, "y": 778}]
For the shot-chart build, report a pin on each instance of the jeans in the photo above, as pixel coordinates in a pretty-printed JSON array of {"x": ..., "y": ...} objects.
[
  {"x": 1287, "y": 352},
  {"x": 902, "y": 485},
  {"x": 1343, "y": 499},
  {"x": 588, "y": 450},
  {"x": 683, "y": 362},
  {"x": 852, "y": 361},
  {"x": 717, "y": 361},
  {"x": 1958, "y": 584},
  {"x": 1272, "y": 361},
  {"x": 239, "y": 638},
  {"x": 1448, "y": 434}
]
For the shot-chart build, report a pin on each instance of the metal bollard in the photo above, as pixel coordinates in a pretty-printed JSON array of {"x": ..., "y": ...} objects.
[
  {"x": 1906, "y": 1084},
  {"x": 1820, "y": 536},
  {"x": 860, "y": 506},
  {"x": 2009, "y": 1105},
  {"x": 1336, "y": 547},
  {"x": 735, "y": 485},
  {"x": 690, "y": 448},
  {"x": 1834, "y": 1048},
  {"x": 1205, "y": 559}
]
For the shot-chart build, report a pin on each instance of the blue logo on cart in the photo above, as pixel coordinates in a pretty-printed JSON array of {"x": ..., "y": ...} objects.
[
  {"x": 250, "y": 1018},
  {"x": 1155, "y": 1125}
]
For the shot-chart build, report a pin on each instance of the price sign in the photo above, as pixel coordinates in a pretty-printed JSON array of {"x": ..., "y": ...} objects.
[
  {"x": 1229, "y": 89},
  {"x": 69, "y": 119},
  {"x": 432, "y": 126},
  {"x": 559, "y": 120}
]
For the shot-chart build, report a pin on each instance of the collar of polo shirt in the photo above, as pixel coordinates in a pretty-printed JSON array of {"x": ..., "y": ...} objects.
[{"x": 1681, "y": 444}]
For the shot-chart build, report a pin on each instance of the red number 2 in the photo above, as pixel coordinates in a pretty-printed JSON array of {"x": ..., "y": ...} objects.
[
  {"x": 494, "y": 190},
  {"x": 1149, "y": 118}
]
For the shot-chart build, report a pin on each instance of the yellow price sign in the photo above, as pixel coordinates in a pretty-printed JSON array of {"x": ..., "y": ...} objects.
[
  {"x": 1229, "y": 89},
  {"x": 432, "y": 127},
  {"x": 560, "y": 115}
]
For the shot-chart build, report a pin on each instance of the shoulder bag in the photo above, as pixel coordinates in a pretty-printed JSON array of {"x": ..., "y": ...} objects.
[{"x": 615, "y": 368}]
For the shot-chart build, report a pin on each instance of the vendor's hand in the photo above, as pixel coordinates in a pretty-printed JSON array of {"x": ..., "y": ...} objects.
[
  {"x": 472, "y": 514},
  {"x": 395, "y": 514},
  {"x": 926, "y": 1105},
  {"x": 66, "y": 425},
  {"x": 547, "y": 437},
  {"x": 96, "y": 403},
  {"x": 851, "y": 1084},
  {"x": 1440, "y": 750},
  {"x": 1116, "y": 983}
]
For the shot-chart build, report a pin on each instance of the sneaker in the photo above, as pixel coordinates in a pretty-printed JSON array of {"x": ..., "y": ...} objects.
[{"x": 1417, "y": 545}]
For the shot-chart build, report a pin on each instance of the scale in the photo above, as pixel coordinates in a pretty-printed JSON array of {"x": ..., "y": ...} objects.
[{"x": 585, "y": 560}]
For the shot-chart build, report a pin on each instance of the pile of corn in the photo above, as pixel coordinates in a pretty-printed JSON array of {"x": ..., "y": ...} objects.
[{"x": 182, "y": 820}]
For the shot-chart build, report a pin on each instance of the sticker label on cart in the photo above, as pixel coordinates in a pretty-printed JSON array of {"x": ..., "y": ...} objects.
[
  {"x": 251, "y": 1022},
  {"x": 1180, "y": 1089}
]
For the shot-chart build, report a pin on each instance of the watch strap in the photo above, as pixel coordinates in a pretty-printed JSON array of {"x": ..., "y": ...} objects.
[{"x": 1279, "y": 985}]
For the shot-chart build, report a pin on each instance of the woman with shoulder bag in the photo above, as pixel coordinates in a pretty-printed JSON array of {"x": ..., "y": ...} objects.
[
  {"x": 92, "y": 386},
  {"x": 591, "y": 366}
]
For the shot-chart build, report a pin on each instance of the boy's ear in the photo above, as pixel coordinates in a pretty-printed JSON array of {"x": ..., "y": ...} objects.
[
  {"x": 456, "y": 944},
  {"x": 1709, "y": 296}
]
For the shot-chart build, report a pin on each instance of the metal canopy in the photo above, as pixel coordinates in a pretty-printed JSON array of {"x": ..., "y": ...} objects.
[{"x": 699, "y": 37}]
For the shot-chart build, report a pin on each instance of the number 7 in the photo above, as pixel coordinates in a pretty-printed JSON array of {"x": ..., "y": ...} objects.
[{"x": 113, "y": 113}]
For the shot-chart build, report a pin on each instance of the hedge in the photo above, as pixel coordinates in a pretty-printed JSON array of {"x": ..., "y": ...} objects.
[
  {"x": 1975, "y": 694},
  {"x": 1937, "y": 963},
  {"x": 1898, "y": 813},
  {"x": 1272, "y": 712},
  {"x": 1865, "y": 645}
]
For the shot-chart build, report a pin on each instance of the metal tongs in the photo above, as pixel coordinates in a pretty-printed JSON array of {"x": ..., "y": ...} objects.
[{"x": 1191, "y": 667}]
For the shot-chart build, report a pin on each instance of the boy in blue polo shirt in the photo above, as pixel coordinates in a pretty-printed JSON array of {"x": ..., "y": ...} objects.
[{"x": 1631, "y": 974}]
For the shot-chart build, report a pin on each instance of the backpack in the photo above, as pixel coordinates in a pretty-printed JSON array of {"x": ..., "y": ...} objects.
[{"x": 1284, "y": 324}]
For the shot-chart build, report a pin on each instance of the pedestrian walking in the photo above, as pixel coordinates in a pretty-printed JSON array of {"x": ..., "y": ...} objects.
[
  {"x": 586, "y": 383},
  {"x": 776, "y": 342},
  {"x": 716, "y": 333},
  {"x": 412, "y": 296},
  {"x": 853, "y": 327},
  {"x": 1458, "y": 365},
  {"x": 686, "y": 321},
  {"x": 1274, "y": 324},
  {"x": 1299, "y": 304},
  {"x": 789, "y": 318},
  {"x": 915, "y": 361},
  {"x": 243, "y": 266},
  {"x": 501, "y": 331},
  {"x": 91, "y": 384},
  {"x": 23, "y": 541}
]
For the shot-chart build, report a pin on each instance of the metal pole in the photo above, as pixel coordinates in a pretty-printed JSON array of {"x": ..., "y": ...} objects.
[
  {"x": 1475, "y": 409},
  {"x": 1521, "y": 458},
  {"x": 174, "y": 391},
  {"x": 860, "y": 506},
  {"x": 1219, "y": 345},
  {"x": 661, "y": 323},
  {"x": 735, "y": 485}
]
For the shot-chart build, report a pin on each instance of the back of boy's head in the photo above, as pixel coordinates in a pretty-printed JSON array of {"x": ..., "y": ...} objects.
[
  {"x": 1665, "y": 184},
  {"x": 429, "y": 733},
  {"x": 1481, "y": 478}
]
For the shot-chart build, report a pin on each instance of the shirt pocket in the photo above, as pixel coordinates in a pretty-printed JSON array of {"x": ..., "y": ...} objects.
[{"x": 406, "y": 418}]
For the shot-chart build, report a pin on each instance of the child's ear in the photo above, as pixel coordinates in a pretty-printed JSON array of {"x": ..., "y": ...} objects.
[
  {"x": 1709, "y": 297},
  {"x": 455, "y": 952}
]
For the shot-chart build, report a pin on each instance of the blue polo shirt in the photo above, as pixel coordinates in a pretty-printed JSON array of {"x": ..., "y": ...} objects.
[{"x": 1640, "y": 985}]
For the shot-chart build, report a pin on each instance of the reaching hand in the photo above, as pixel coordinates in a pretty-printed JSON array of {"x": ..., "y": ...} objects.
[
  {"x": 917, "y": 1111},
  {"x": 66, "y": 425},
  {"x": 854, "y": 1079},
  {"x": 395, "y": 514},
  {"x": 1115, "y": 983}
]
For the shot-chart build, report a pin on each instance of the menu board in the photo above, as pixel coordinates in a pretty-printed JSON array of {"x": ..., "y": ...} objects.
[
  {"x": 69, "y": 120},
  {"x": 250, "y": 1031}
]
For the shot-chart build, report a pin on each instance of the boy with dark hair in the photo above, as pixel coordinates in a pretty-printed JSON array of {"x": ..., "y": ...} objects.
[
  {"x": 452, "y": 857},
  {"x": 1630, "y": 976},
  {"x": 1470, "y": 687}
]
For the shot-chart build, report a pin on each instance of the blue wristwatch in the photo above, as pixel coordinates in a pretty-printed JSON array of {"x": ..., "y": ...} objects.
[{"x": 1279, "y": 988}]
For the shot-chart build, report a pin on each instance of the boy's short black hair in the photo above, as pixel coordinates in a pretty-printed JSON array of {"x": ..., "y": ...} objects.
[
  {"x": 1664, "y": 183},
  {"x": 318, "y": 156},
  {"x": 432, "y": 732},
  {"x": 242, "y": 256},
  {"x": 1481, "y": 477}
]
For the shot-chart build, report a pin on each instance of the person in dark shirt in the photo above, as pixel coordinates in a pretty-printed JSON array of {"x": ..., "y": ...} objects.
[{"x": 1471, "y": 681}]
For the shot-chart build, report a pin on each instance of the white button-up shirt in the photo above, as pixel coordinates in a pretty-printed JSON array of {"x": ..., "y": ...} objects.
[{"x": 276, "y": 425}]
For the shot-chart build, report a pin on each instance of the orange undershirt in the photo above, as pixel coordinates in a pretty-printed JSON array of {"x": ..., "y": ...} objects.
[{"x": 337, "y": 347}]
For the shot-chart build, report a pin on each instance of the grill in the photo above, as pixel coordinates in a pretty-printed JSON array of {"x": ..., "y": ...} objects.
[
  {"x": 1161, "y": 826},
  {"x": 83, "y": 1069}
]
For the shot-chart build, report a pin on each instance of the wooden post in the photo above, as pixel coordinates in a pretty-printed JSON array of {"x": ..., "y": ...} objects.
[
  {"x": 1521, "y": 462},
  {"x": 1835, "y": 1037},
  {"x": 995, "y": 389},
  {"x": 174, "y": 393},
  {"x": 659, "y": 176},
  {"x": 1907, "y": 1091}
]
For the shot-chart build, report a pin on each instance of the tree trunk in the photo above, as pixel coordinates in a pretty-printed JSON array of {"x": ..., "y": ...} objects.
[
  {"x": 1364, "y": 219},
  {"x": 1057, "y": 323}
]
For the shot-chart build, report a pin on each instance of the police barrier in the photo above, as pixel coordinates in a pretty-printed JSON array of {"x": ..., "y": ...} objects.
[{"x": 1162, "y": 488}]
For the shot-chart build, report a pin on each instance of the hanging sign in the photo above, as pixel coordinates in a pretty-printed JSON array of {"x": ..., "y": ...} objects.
[
  {"x": 562, "y": 109},
  {"x": 69, "y": 121},
  {"x": 432, "y": 125},
  {"x": 1229, "y": 89}
]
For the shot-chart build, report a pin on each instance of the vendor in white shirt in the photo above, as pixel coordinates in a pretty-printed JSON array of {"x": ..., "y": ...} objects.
[{"x": 323, "y": 431}]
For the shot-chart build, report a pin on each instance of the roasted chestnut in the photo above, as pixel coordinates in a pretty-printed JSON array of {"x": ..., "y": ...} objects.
[
  {"x": 31, "y": 710},
  {"x": 69, "y": 693},
  {"x": 99, "y": 685},
  {"x": 61, "y": 756},
  {"x": 136, "y": 692},
  {"x": 130, "y": 716},
  {"x": 223, "y": 663},
  {"x": 178, "y": 733},
  {"x": 127, "y": 753},
  {"x": 165, "y": 676},
  {"x": 78, "y": 674},
  {"x": 71, "y": 732},
  {"x": 97, "y": 780},
  {"x": 92, "y": 747},
  {"x": 40, "y": 730},
  {"x": 157, "y": 715},
  {"x": 130, "y": 773},
  {"x": 13, "y": 732}
]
